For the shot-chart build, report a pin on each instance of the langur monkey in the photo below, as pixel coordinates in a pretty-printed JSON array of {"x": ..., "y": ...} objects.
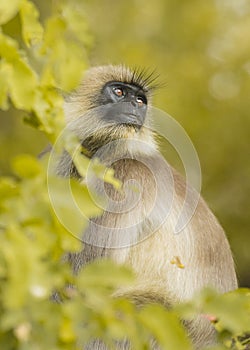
[{"x": 110, "y": 113}]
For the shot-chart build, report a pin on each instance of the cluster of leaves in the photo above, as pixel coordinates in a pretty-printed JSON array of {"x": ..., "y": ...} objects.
[
  {"x": 48, "y": 57},
  {"x": 34, "y": 89}
]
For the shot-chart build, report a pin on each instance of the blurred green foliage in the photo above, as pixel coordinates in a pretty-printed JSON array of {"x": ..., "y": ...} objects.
[{"x": 200, "y": 50}]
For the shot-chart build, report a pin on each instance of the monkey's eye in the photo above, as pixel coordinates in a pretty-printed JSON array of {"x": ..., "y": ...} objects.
[
  {"x": 141, "y": 101},
  {"x": 118, "y": 91}
]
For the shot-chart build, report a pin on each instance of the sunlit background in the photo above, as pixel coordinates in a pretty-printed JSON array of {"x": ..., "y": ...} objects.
[{"x": 201, "y": 51}]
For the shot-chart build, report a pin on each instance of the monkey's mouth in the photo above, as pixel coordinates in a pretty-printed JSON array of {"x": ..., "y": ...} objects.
[
  {"x": 131, "y": 120},
  {"x": 126, "y": 115}
]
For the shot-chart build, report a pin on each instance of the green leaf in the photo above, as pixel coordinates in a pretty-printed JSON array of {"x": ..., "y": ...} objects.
[
  {"x": 20, "y": 78},
  {"x": 64, "y": 206},
  {"x": 104, "y": 173},
  {"x": 77, "y": 23},
  {"x": 8, "y": 9},
  {"x": 8, "y": 187},
  {"x": 104, "y": 274},
  {"x": 32, "y": 30},
  {"x": 60, "y": 42},
  {"x": 74, "y": 148},
  {"x": 54, "y": 30},
  {"x": 48, "y": 108},
  {"x": 23, "y": 84},
  {"x": 170, "y": 336},
  {"x": 26, "y": 166},
  {"x": 84, "y": 200},
  {"x": 4, "y": 76},
  {"x": 231, "y": 309},
  {"x": 24, "y": 278},
  {"x": 69, "y": 70},
  {"x": 66, "y": 332},
  {"x": 8, "y": 48}
]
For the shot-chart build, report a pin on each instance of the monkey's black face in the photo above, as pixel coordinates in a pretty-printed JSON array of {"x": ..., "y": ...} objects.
[{"x": 124, "y": 104}]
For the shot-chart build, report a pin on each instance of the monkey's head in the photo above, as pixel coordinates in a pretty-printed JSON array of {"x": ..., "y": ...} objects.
[{"x": 111, "y": 103}]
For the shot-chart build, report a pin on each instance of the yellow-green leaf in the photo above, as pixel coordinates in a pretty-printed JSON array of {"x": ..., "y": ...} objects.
[
  {"x": 22, "y": 83},
  {"x": 20, "y": 77},
  {"x": 77, "y": 23},
  {"x": 59, "y": 41},
  {"x": 8, "y": 9},
  {"x": 8, "y": 48},
  {"x": 32, "y": 30},
  {"x": 8, "y": 188},
  {"x": 172, "y": 335},
  {"x": 84, "y": 200},
  {"x": 69, "y": 70},
  {"x": 26, "y": 166},
  {"x": 104, "y": 173},
  {"x": 73, "y": 147},
  {"x": 64, "y": 206},
  {"x": 54, "y": 31},
  {"x": 66, "y": 332},
  {"x": 4, "y": 74},
  {"x": 105, "y": 274}
]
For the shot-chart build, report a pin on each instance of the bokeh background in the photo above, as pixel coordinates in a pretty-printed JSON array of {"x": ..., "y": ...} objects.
[{"x": 201, "y": 51}]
